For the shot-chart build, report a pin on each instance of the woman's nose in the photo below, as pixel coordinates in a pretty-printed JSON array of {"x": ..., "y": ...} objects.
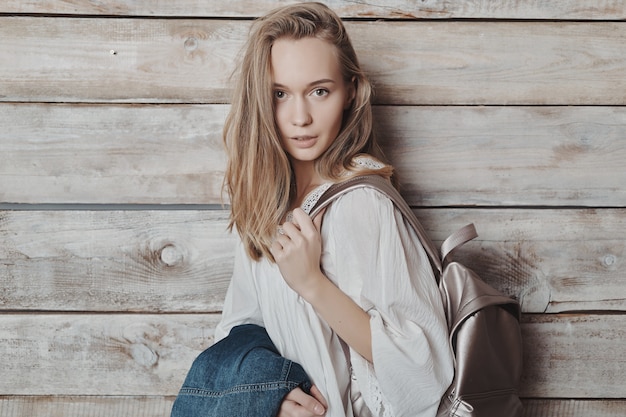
[{"x": 301, "y": 115}]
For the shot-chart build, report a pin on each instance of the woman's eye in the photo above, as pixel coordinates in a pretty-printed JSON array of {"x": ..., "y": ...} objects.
[
  {"x": 279, "y": 94},
  {"x": 320, "y": 92}
]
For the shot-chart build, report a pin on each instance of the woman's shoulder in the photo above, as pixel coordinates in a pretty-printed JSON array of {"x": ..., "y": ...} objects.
[{"x": 364, "y": 214}]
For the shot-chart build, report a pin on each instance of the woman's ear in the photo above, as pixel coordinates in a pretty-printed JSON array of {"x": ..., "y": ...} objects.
[{"x": 351, "y": 88}]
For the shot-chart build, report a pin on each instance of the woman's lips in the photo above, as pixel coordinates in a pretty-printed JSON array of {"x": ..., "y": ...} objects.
[{"x": 304, "y": 141}]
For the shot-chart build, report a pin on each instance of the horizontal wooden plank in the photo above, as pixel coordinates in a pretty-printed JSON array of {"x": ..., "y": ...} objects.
[
  {"x": 160, "y": 406},
  {"x": 100, "y": 354},
  {"x": 181, "y": 261},
  {"x": 573, "y": 408},
  {"x": 394, "y": 9},
  {"x": 560, "y": 352},
  {"x": 445, "y": 156},
  {"x": 111, "y": 154},
  {"x": 178, "y": 60},
  {"x": 85, "y": 406},
  {"x": 149, "y": 355},
  {"x": 521, "y": 156},
  {"x": 114, "y": 261}
]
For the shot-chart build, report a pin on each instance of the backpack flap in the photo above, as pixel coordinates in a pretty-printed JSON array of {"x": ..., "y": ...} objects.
[{"x": 464, "y": 293}]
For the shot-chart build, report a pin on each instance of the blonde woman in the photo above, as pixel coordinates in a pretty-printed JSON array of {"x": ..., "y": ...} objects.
[{"x": 349, "y": 295}]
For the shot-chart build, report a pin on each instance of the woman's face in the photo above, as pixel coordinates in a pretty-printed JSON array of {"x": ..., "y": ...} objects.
[{"x": 310, "y": 96}]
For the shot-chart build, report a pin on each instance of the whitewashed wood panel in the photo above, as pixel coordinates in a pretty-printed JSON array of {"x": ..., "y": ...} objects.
[
  {"x": 149, "y": 355},
  {"x": 115, "y": 260},
  {"x": 560, "y": 352},
  {"x": 445, "y": 156},
  {"x": 508, "y": 156},
  {"x": 160, "y": 406},
  {"x": 114, "y": 354},
  {"x": 181, "y": 261},
  {"x": 86, "y": 406},
  {"x": 111, "y": 154},
  {"x": 394, "y": 9},
  {"x": 573, "y": 408},
  {"x": 172, "y": 60}
]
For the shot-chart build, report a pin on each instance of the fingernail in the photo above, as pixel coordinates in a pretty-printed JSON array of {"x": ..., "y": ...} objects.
[{"x": 319, "y": 410}]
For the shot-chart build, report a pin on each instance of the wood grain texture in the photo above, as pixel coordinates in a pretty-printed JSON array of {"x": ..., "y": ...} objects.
[
  {"x": 394, "y": 9},
  {"x": 573, "y": 408},
  {"x": 507, "y": 156},
  {"x": 181, "y": 261},
  {"x": 117, "y": 354},
  {"x": 142, "y": 154},
  {"x": 179, "y": 60},
  {"x": 112, "y": 261},
  {"x": 148, "y": 355},
  {"x": 575, "y": 356},
  {"x": 111, "y": 154},
  {"x": 160, "y": 406},
  {"x": 86, "y": 406}
]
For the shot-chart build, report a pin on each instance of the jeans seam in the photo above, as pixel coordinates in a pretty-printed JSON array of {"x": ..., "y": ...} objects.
[
  {"x": 266, "y": 386},
  {"x": 286, "y": 370}
]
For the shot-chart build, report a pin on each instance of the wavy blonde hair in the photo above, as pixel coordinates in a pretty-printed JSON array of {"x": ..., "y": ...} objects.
[{"x": 259, "y": 178}]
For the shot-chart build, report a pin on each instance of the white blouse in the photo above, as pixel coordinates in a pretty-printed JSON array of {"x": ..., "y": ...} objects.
[{"x": 372, "y": 255}]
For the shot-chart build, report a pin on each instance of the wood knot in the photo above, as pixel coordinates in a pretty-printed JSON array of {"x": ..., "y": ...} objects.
[
  {"x": 143, "y": 355},
  {"x": 191, "y": 44},
  {"x": 170, "y": 255},
  {"x": 609, "y": 260}
]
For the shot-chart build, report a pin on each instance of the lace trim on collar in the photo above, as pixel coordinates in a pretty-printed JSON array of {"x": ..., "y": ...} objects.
[
  {"x": 367, "y": 163},
  {"x": 312, "y": 198}
]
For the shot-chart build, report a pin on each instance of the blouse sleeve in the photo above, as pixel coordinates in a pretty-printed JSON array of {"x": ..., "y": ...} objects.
[
  {"x": 379, "y": 261},
  {"x": 241, "y": 305}
]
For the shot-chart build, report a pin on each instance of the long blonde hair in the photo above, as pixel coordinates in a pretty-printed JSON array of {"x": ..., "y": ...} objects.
[{"x": 258, "y": 177}]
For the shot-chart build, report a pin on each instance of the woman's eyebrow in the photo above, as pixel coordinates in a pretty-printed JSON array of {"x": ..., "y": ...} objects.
[{"x": 311, "y": 84}]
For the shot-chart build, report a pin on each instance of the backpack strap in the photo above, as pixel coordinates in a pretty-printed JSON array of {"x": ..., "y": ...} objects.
[
  {"x": 384, "y": 186},
  {"x": 456, "y": 239}
]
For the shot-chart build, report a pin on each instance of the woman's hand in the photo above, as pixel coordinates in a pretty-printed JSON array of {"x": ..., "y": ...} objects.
[
  {"x": 297, "y": 251},
  {"x": 300, "y": 404}
]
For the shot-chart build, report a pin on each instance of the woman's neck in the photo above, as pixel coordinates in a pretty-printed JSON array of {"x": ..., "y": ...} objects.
[{"x": 307, "y": 179}]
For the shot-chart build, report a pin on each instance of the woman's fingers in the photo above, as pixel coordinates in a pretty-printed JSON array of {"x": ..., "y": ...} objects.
[
  {"x": 300, "y": 404},
  {"x": 317, "y": 394},
  {"x": 290, "y": 232},
  {"x": 301, "y": 224},
  {"x": 290, "y": 229},
  {"x": 297, "y": 251},
  {"x": 302, "y": 221},
  {"x": 317, "y": 221}
]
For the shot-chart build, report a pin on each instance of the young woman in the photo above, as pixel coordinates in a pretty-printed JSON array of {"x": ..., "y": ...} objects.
[{"x": 353, "y": 301}]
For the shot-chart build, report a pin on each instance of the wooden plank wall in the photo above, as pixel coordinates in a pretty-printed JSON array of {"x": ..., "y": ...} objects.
[{"x": 114, "y": 257}]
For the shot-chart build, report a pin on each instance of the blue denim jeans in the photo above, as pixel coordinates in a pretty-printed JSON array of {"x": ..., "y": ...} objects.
[{"x": 241, "y": 375}]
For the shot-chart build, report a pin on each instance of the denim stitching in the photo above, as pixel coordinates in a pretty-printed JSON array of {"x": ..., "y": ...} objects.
[{"x": 266, "y": 386}]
